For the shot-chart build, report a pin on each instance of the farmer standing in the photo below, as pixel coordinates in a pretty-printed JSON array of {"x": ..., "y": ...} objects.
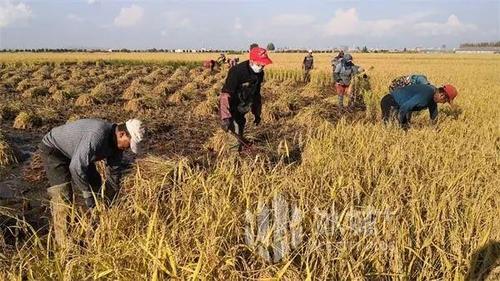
[
  {"x": 69, "y": 153},
  {"x": 307, "y": 66},
  {"x": 337, "y": 59},
  {"x": 241, "y": 94},
  {"x": 403, "y": 101},
  {"x": 342, "y": 75}
]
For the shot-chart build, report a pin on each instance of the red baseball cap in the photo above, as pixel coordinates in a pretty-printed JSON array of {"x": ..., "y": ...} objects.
[
  {"x": 450, "y": 91},
  {"x": 259, "y": 55}
]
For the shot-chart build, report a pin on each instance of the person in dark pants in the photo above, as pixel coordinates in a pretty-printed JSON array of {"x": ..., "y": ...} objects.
[
  {"x": 307, "y": 66},
  {"x": 69, "y": 153},
  {"x": 241, "y": 94},
  {"x": 344, "y": 71},
  {"x": 403, "y": 101}
]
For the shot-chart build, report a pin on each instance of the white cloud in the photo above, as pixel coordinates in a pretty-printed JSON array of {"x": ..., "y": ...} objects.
[
  {"x": 450, "y": 27},
  {"x": 177, "y": 20},
  {"x": 129, "y": 16},
  {"x": 75, "y": 18},
  {"x": 11, "y": 12},
  {"x": 292, "y": 20},
  {"x": 347, "y": 23},
  {"x": 237, "y": 24},
  {"x": 92, "y": 1}
]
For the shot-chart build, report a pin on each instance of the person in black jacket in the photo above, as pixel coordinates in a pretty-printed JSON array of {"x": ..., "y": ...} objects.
[{"x": 241, "y": 94}]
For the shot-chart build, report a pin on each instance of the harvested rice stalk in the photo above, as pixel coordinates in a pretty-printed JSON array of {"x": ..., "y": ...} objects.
[
  {"x": 23, "y": 85},
  {"x": 42, "y": 73},
  {"x": 188, "y": 92},
  {"x": 86, "y": 100},
  {"x": 166, "y": 87},
  {"x": 101, "y": 92},
  {"x": 35, "y": 92},
  {"x": 60, "y": 96},
  {"x": 134, "y": 105},
  {"x": 34, "y": 172},
  {"x": 73, "y": 118},
  {"x": 25, "y": 120},
  {"x": 219, "y": 141},
  {"x": 8, "y": 112},
  {"x": 207, "y": 107},
  {"x": 309, "y": 116},
  {"x": 135, "y": 90},
  {"x": 8, "y": 155}
]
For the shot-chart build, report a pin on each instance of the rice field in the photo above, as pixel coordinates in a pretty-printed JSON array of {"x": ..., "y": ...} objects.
[{"x": 326, "y": 194}]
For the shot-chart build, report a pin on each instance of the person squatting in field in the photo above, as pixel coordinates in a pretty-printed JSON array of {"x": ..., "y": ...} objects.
[
  {"x": 401, "y": 102},
  {"x": 69, "y": 153},
  {"x": 344, "y": 71},
  {"x": 307, "y": 66},
  {"x": 241, "y": 94}
]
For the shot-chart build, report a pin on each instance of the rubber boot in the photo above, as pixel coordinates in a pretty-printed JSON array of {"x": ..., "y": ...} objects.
[{"x": 60, "y": 210}]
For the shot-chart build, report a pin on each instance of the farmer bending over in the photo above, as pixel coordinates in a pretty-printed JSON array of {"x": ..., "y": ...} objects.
[
  {"x": 69, "y": 153},
  {"x": 407, "y": 80},
  {"x": 403, "y": 101},
  {"x": 241, "y": 94}
]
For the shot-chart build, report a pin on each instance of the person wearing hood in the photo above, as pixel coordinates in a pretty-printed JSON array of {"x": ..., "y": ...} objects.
[
  {"x": 337, "y": 59},
  {"x": 69, "y": 153},
  {"x": 342, "y": 75},
  {"x": 241, "y": 94}
]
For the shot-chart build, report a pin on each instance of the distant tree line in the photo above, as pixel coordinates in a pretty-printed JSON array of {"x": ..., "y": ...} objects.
[
  {"x": 481, "y": 44},
  {"x": 153, "y": 50}
]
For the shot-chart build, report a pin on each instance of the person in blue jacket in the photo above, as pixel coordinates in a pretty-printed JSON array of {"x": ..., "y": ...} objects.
[
  {"x": 403, "y": 101},
  {"x": 407, "y": 80}
]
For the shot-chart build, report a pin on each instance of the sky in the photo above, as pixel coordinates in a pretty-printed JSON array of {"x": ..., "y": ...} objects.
[{"x": 234, "y": 24}]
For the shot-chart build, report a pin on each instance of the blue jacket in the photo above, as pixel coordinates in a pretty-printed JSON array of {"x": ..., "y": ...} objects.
[{"x": 415, "y": 98}]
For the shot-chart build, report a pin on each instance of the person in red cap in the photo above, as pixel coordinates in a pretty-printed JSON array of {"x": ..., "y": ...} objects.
[
  {"x": 404, "y": 101},
  {"x": 241, "y": 94}
]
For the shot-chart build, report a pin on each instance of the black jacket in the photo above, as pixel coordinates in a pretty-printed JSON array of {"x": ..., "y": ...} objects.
[{"x": 243, "y": 86}]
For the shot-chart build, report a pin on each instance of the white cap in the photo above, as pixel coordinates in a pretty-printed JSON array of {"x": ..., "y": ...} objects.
[
  {"x": 310, "y": 51},
  {"x": 136, "y": 131}
]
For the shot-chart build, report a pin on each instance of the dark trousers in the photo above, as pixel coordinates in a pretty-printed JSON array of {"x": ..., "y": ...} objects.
[
  {"x": 56, "y": 166},
  {"x": 238, "y": 127},
  {"x": 389, "y": 108},
  {"x": 307, "y": 75}
]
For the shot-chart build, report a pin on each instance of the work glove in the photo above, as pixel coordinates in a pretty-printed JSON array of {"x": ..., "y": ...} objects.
[
  {"x": 90, "y": 202},
  {"x": 225, "y": 123},
  {"x": 257, "y": 120}
]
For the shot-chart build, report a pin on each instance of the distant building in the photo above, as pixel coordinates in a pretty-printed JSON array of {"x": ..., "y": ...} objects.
[{"x": 478, "y": 50}]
